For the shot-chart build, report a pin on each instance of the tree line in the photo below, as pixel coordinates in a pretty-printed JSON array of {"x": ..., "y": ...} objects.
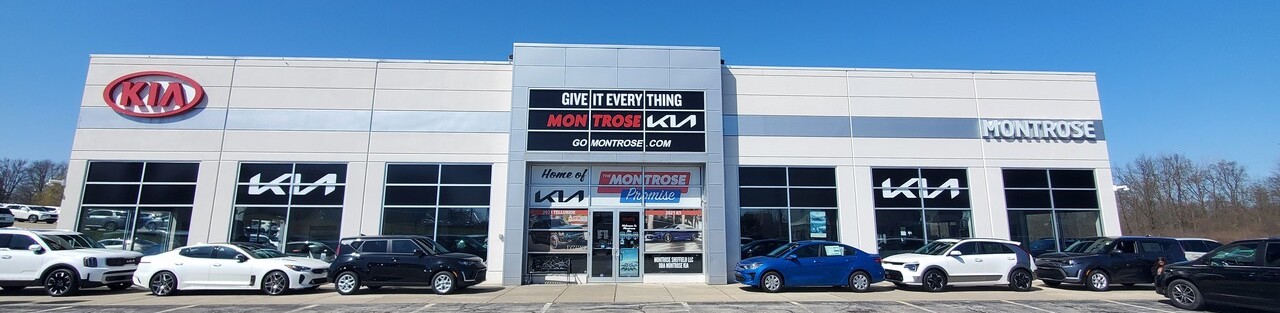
[
  {"x": 1171, "y": 195},
  {"x": 32, "y": 182}
]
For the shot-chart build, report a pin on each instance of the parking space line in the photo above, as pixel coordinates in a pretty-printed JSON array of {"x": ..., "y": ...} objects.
[
  {"x": 1137, "y": 306},
  {"x": 57, "y": 308},
  {"x": 302, "y": 308},
  {"x": 545, "y": 307},
  {"x": 177, "y": 308},
  {"x": 916, "y": 306},
  {"x": 801, "y": 306},
  {"x": 1026, "y": 306},
  {"x": 424, "y": 308},
  {"x": 686, "y": 307}
]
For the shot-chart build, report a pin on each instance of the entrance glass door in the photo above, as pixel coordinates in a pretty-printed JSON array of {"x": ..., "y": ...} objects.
[{"x": 615, "y": 246}]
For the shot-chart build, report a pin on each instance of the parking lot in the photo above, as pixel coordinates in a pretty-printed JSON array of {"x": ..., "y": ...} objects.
[{"x": 608, "y": 298}]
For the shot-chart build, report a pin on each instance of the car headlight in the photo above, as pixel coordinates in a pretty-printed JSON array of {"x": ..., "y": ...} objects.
[
  {"x": 912, "y": 266},
  {"x": 90, "y": 262},
  {"x": 298, "y": 268},
  {"x": 754, "y": 265},
  {"x": 1072, "y": 262},
  {"x": 467, "y": 263}
]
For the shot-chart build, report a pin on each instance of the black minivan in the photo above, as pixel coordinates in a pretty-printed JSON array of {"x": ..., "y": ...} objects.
[
  {"x": 377, "y": 261},
  {"x": 1244, "y": 273},
  {"x": 1099, "y": 262}
]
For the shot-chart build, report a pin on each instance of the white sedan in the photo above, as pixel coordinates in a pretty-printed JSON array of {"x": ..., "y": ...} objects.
[{"x": 228, "y": 267}]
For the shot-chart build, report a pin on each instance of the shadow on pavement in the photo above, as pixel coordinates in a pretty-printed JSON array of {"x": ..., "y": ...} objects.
[
  {"x": 872, "y": 289},
  {"x": 1075, "y": 287},
  {"x": 427, "y": 290},
  {"x": 1215, "y": 308}
]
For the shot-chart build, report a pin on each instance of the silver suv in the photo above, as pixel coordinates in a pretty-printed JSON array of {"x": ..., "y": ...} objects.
[
  {"x": 62, "y": 262},
  {"x": 33, "y": 213}
]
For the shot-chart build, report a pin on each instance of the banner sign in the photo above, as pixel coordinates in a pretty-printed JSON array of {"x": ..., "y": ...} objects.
[
  {"x": 617, "y": 120},
  {"x": 673, "y": 263}
]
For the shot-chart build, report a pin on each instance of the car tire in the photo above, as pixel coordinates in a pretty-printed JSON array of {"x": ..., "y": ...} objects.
[
  {"x": 859, "y": 281},
  {"x": 163, "y": 284},
  {"x": 347, "y": 283},
  {"x": 666, "y": 237},
  {"x": 275, "y": 283},
  {"x": 50, "y": 221},
  {"x": 771, "y": 282},
  {"x": 151, "y": 226},
  {"x": 443, "y": 282},
  {"x": 61, "y": 282},
  {"x": 119, "y": 286},
  {"x": 934, "y": 280},
  {"x": 33, "y": 219},
  {"x": 1185, "y": 295},
  {"x": 1098, "y": 281},
  {"x": 14, "y": 288},
  {"x": 109, "y": 226},
  {"x": 1021, "y": 280},
  {"x": 555, "y": 242},
  {"x": 1052, "y": 283}
]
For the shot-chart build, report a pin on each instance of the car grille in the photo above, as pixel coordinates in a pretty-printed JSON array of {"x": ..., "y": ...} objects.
[
  {"x": 892, "y": 275},
  {"x": 1053, "y": 274},
  {"x": 319, "y": 270},
  {"x": 123, "y": 261}
]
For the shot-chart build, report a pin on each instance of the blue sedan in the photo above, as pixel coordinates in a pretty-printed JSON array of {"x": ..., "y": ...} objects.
[{"x": 811, "y": 263}]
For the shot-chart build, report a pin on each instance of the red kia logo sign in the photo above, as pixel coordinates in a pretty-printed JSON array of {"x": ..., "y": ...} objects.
[{"x": 153, "y": 94}]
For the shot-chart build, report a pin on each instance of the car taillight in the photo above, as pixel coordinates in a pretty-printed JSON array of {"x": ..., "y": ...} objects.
[
  {"x": 1160, "y": 266},
  {"x": 877, "y": 259}
]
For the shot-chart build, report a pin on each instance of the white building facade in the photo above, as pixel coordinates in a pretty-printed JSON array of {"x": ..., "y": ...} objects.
[{"x": 583, "y": 163}]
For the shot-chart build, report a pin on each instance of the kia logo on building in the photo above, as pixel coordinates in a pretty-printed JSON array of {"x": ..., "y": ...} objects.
[{"x": 153, "y": 94}]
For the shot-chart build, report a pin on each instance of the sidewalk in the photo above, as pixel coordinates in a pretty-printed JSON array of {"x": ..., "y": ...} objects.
[{"x": 593, "y": 293}]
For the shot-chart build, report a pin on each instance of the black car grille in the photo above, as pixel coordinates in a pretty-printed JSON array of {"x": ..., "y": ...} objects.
[
  {"x": 319, "y": 270},
  {"x": 123, "y": 261},
  {"x": 1054, "y": 274},
  {"x": 892, "y": 275}
]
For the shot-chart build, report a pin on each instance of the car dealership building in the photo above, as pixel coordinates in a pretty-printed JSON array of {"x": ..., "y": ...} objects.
[{"x": 583, "y": 163}]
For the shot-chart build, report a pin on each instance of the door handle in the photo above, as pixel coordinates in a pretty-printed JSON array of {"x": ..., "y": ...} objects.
[
  {"x": 1012, "y": 258},
  {"x": 217, "y": 265},
  {"x": 6, "y": 257},
  {"x": 177, "y": 263},
  {"x": 977, "y": 260}
]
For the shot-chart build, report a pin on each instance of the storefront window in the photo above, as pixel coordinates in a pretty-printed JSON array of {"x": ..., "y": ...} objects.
[
  {"x": 295, "y": 207},
  {"x": 784, "y": 204},
  {"x": 449, "y": 203},
  {"x": 139, "y": 206},
  {"x": 915, "y": 206},
  {"x": 1051, "y": 209}
]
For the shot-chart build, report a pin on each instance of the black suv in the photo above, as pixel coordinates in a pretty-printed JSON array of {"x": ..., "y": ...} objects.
[
  {"x": 1101, "y": 261},
  {"x": 376, "y": 261},
  {"x": 1244, "y": 273}
]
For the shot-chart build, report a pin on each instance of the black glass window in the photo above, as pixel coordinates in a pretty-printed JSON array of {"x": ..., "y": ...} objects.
[
  {"x": 785, "y": 204},
  {"x": 917, "y": 205},
  {"x": 374, "y": 246},
  {"x": 899, "y": 231},
  {"x": 139, "y": 206},
  {"x": 1026, "y": 179},
  {"x": 449, "y": 203},
  {"x": 293, "y": 207},
  {"x": 203, "y": 252},
  {"x": 1049, "y": 209}
]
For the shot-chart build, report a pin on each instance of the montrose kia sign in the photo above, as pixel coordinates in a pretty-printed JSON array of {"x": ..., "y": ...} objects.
[
  {"x": 153, "y": 94},
  {"x": 617, "y": 120}
]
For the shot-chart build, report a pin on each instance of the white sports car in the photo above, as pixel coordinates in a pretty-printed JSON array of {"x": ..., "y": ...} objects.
[
  {"x": 962, "y": 262},
  {"x": 228, "y": 266}
]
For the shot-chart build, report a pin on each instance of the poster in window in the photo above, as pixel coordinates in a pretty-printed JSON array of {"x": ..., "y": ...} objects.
[
  {"x": 672, "y": 263},
  {"x": 557, "y": 219},
  {"x": 629, "y": 262},
  {"x": 817, "y": 224}
]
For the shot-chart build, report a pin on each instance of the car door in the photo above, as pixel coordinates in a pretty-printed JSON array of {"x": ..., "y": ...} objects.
[
  {"x": 1268, "y": 279},
  {"x": 379, "y": 265},
  {"x": 1125, "y": 261},
  {"x": 227, "y": 271},
  {"x": 998, "y": 260},
  {"x": 408, "y": 265},
  {"x": 1153, "y": 251},
  {"x": 22, "y": 264},
  {"x": 807, "y": 266},
  {"x": 1230, "y": 276},
  {"x": 192, "y": 266},
  {"x": 837, "y": 264},
  {"x": 967, "y": 267}
]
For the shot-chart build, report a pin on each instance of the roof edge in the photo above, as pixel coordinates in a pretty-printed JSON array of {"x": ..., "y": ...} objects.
[
  {"x": 198, "y": 57},
  {"x": 608, "y": 46},
  {"x": 860, "y": 69}
]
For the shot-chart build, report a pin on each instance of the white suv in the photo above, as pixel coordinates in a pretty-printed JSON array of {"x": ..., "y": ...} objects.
[
  {"x": 33, "y": 213},
  {"x": 962, "y": 262},
  {"x": 62, "y": 262}
]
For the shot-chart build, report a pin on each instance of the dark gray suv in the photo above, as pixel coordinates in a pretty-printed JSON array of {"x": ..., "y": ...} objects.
[{"x": 1099, "y": 262}]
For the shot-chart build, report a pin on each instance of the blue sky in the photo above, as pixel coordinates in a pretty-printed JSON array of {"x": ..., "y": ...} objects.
[{"x": 1174, "y": 76}]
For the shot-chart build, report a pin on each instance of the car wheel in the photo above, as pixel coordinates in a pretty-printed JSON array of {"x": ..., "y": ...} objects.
[
  {"x": 935, "y": 280},
  {"x": 275, "y": 283},
  {"x": 151, "y": 226},
  {"x": 163, "y": 284},
  {"x": 666, "y": 237},
  {"x": 119, "y": 286},
  {"x": 109, "y": 226},
  {"x": 1052, "y": 283},
  {"x": 61, "y": 282},
  {"x": 1020, "y": 280},
  {"x": 1185, "y": 295},
  {"x": 443, "y": 282},
  {"x": 1098, "y": 281},
  {"x": 33, "y": 219},
  {"x": 771, "y": 282},
  {"x": 347, "y": 283},
  {"x": 14, "y": 288},
  {"x": 555, "y": 242},
  {"x": 859, "y": 281}
]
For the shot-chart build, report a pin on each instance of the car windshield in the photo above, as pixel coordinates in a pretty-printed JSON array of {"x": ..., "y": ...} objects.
[
  {"x": 782, "y": 250},
  {"x": 435, "y": 248},
  {"x": 935, "y": 248},
  {"x": 1090, "y": 246},
  {"x": 69, "y": 242},
  {"x": 262, "y": 251}
]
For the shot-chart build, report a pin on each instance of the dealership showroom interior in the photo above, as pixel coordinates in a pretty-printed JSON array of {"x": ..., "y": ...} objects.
[{"x": 571, "y": 163}]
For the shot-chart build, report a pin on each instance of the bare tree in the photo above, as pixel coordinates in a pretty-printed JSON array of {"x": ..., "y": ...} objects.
[{"x": 12, "y": 177}]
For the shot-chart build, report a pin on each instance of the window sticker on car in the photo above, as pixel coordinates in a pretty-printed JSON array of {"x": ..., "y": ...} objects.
[{"x": 834, "y": 250}]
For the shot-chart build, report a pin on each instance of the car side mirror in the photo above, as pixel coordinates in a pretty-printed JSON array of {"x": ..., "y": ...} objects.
[
  {"x": 1116, "y": 251},
  {"x": 955, "y": 253},
  {"x": 419, "y": 252},
  {"x": 36, "y": 248},
  {"x": 242, "y": 258},
  {"x": 791, "y": 257}
]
